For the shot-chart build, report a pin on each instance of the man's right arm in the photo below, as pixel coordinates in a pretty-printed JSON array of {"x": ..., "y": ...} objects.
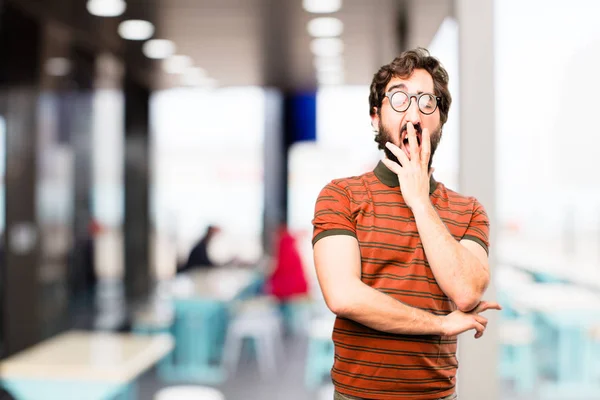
[{"x": 337, "y": 261}]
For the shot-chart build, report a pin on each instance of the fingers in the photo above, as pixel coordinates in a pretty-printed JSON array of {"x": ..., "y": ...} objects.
[
  {"x": 479, "y": 328},
  {"x": 412, "y": 142},
  {"x": 425, "y": 147},
  {"x": 480, "y": 325},
  {"x": 486, "y": 305},
  {"x": 482, "y": 320},
  {"x": 402, "y": 157}
]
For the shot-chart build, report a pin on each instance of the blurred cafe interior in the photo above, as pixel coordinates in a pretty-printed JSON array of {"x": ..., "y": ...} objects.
[{"x": 160, "y": 162}]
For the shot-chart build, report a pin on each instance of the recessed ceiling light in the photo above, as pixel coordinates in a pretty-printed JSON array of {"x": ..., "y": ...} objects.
[
  {"x": 322, "y": 6},
  {"x": 207, "y": 83},
  {"x": 330, "y": 81},
  {"x": 330, "y": 76},
  {"x": 325, "y": 27},
  {"x": 196, "y": 80},
  {"x": 177, "y": 64},
  {"x": 328, "y": 63},
  {"x": 136, "y": 29},
  {"x": 158, "y": 48},
  {"x": 193, "y": 76},
  {"x": 327, "y": 47},
  {"x": 106, "y": 8}
]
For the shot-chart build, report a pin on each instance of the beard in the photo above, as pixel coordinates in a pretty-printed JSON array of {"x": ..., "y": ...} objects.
[{"x": 385, "y": 135}]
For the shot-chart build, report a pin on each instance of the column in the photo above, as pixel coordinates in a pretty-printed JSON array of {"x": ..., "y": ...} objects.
[
  {"x": 19, "y": 91},
  {"x": 478, "y": 373},
  {"x": 137, "y": 223}
]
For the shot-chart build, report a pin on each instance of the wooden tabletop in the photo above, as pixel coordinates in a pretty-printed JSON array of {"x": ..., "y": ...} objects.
[{"x": 88, "y": 356}]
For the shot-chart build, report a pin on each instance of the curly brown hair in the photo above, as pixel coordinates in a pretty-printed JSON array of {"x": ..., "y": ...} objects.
[{"x": 402, "y": 67}]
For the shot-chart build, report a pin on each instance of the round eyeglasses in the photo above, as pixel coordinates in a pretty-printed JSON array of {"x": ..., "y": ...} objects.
[{"x": 400, "y": 101}]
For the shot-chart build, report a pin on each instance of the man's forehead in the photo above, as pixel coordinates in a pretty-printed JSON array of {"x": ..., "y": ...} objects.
[{"x": 419, "y": 81}]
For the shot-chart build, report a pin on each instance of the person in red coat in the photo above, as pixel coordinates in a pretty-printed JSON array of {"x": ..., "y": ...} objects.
[
  {"x": 287, "y": 282},
  {"x": 287, "y": 279}
]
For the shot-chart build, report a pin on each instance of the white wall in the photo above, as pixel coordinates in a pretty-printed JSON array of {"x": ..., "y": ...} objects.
[
  {"x": 546, "y": 57},
  {"x": 444, "y": 47},
  {"x": 207, "y": 160}
]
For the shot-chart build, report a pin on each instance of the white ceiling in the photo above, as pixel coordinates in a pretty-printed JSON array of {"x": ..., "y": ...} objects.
[{"x": 238, "y": 41}]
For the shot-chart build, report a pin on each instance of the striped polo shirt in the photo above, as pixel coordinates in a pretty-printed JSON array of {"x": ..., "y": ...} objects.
[{"x": 370, "y": 364}]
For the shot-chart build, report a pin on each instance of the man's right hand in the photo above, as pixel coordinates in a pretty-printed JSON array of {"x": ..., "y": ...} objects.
[{"x": 458, "y": 322}]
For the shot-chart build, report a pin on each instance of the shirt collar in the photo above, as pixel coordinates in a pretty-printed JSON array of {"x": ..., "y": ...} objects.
[{"x": 390, "y": 179}]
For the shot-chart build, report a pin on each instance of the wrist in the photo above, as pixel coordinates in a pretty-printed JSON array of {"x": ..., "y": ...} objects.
[
  {"x": 421, "y": 207},
  {"x": 439, "y": 323}
]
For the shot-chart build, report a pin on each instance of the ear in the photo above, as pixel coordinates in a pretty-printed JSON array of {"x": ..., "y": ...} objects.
[{"x": 375, "y": 120}]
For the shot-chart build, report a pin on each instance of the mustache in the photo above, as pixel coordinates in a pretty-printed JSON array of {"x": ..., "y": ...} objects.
[{"x": 418, "y": 128}]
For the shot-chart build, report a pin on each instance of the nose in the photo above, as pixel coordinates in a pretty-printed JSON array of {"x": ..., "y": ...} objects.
[{"x": 413, "y": 114}]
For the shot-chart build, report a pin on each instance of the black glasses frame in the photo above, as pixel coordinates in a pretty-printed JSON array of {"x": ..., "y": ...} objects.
[{"x": 410, "y": 96}]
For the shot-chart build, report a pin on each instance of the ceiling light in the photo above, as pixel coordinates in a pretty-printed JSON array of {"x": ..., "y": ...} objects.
[
  {"x": 136, "y": 29},
  {"x": 328, "y": 63},
  {"x": 208, "y": 83},
  {"x": 325, "y": 27},
  {"x": 158, "y": 48},
  {"x": 322, "y": 6},
  {"x": 177, "y": 64},
  {"x": 198, "y": 81},
  {"x": 193, "y": 76},
  {"x": 58, "y": 66},
  {"x": 106, "y": 8},
  {"x": 330, "y": 75},
  {"x": 327, "y": 47},
  {"x": 331, "y": 80}
]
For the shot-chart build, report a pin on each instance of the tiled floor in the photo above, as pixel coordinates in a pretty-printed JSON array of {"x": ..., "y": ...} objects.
[
  {"x": 247, "y": 383},
  {"x": 288, "y": 384}
]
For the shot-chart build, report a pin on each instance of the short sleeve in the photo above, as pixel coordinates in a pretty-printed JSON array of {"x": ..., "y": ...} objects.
[
  {"x": 332, "y": 214},
  {"x": 479, "y": 227}
]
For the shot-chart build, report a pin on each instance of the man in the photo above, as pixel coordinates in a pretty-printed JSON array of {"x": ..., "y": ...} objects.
[{"x": 400, "y": 258}]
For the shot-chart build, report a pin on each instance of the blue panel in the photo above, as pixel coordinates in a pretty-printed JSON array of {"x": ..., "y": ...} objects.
[{"x": 302, "y": 113}]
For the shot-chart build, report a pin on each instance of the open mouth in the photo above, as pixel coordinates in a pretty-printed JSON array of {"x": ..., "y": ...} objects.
[
  {"x": 405, "y": 143},
  {"x": 405, "y": 139}
]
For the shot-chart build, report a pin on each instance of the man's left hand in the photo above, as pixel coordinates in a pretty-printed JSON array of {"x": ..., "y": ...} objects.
[{"x": 413, "y": 174}]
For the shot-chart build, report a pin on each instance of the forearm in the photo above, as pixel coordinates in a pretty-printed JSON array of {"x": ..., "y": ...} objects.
[
  {"x": 461, "y": 276},
  {"x": 372, "y": 308}
]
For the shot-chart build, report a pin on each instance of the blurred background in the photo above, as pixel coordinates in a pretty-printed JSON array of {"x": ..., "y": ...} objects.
[{"x": 160, "y": 161}]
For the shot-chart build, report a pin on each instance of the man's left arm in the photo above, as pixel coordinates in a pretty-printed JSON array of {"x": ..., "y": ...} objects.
[{"x": 461, "y": 269}]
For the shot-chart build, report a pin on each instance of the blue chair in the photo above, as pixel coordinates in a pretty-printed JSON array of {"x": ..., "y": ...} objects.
[
  {"x": 321, "y": 352},
  {"x": 296, "y": 314},
  {"x": 517, "y": 361}
]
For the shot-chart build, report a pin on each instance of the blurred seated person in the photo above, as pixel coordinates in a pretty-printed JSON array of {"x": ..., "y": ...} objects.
[
  {"x": 82, "y": 265},
  {"x": 199, "y": 257}
]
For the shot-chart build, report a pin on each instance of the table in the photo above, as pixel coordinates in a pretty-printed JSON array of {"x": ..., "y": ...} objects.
[
  {"x": 83, "y": 366},
  {"x": 572, "y": 312},
  {"x": 582, "y": 267},
  {"x": 202, "y": 299},
  {"x": 220, "y": 284}
]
